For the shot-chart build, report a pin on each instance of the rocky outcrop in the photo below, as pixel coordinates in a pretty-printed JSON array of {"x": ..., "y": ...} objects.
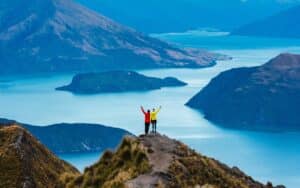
[
  {"x": 26, "y": 163},
  {"x": 264, "y": 98},
  {"x": 158, "y": 161},
  {"x": 63, "y": 36},
  {"x": 117, "y": 81}
]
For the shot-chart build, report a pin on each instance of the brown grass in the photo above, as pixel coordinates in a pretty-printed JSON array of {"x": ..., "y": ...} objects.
[
  {"x": 192, "y": 169},
  {"x": 24, "y": 159},
  {"x": 114, "y": 169}
]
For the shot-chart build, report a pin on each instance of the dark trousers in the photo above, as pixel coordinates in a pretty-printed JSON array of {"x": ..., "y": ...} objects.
[
  {"x": 154, "y": 122},
  {"x": 147, "y": 125}
]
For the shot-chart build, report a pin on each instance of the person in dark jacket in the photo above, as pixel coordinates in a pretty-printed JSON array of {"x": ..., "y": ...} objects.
[{"x": 147, "y": 119}]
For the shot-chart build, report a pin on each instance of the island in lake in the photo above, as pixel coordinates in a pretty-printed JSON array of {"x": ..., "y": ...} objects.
[
  {"x": 117, "y": 81},
  {"x": 265, "y": 98}
]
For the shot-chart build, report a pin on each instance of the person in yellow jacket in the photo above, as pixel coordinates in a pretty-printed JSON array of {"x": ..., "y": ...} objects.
[{"x": 153, "y": 117}]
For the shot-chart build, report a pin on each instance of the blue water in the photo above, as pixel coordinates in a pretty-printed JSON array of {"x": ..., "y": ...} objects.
[
  {"x": 222, "y": 40},
  {"x": 265, "y": 156},
  {"x": 81, "y": 160}
]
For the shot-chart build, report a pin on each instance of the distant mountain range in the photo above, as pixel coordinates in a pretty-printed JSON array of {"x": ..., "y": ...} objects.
[
  {"x": 165, "y": 16},
  {"x": 284, "y": 24},
  {"x": 117, "y": 81},
  {"x": 75, "y": 138},
  {"x": 264, "y": 98},
  {"x": 63, "y": 36}
]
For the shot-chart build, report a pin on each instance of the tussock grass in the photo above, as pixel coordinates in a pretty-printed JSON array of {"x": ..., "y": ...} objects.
[
  {"x": 114, "y": 169},
  {"x": 25, "y": 161},
  {"x": 193, "y": 169}
]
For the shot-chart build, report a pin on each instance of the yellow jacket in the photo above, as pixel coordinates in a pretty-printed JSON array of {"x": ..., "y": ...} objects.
[{"x": 153, "y": 115}]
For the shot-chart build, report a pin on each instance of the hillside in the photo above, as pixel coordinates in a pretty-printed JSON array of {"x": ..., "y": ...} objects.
[
  {"x": 26, "y": 163},
  {"x": 264, "y": 98},
  {"x": 76, "y": 137},
  {"x": 169, "y": 16},
  {"x": 117, "y": 81},
  {"x": 283, "y": 25},
  {"x": 63, "y": 36},
  {"x": 158, "y": 161}
]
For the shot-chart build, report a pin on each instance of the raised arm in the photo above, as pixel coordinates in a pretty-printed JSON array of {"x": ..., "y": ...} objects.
[
  {"x": 143, "y": 110},
  {"x": 158, "y": 109}
]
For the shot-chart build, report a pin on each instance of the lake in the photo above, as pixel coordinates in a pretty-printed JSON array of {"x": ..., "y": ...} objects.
[{"x": 265, "y": 156}]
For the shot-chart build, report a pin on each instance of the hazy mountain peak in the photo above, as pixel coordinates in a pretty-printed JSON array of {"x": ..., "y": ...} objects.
[
  {"x": 284, "y": 24},
  {"x": 285, "y": 61}
]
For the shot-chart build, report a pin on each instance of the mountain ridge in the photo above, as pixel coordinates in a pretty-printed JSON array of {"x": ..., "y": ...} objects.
[
  {"x": 63, "y": 36},
  {"x": 144, "y": 161},
  {"x": 158, "y": 161},
  {"x": 26, "y": 163},
  {"x": 170, "y": 17}
]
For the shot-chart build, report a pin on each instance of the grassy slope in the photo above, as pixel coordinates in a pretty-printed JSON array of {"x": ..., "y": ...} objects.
[
  {"x": 25, "y": 162},
  {"x": 114, "y": 168}
]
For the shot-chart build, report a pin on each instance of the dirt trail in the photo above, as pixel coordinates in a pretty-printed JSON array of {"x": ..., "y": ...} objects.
[{"x": 160, "y": 151}]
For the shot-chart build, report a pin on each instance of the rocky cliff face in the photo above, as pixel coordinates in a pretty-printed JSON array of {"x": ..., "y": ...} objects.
[
  {"x": 26, "y": 163},
  {"x": 60, "y": 35},
  {"x": 257, "y": 98},
  {"x": 158, "y": 161}
]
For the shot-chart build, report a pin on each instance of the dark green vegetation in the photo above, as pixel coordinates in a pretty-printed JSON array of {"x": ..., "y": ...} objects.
[
  {"x": 259, "y": 98},
  {"x": 63, "y": 36},
  {"x": 77, "y": 137},
  {"x": 117, "y": 81},
  {"x": 284, "y": 24},
  {"x": 26, "y": 163}
]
